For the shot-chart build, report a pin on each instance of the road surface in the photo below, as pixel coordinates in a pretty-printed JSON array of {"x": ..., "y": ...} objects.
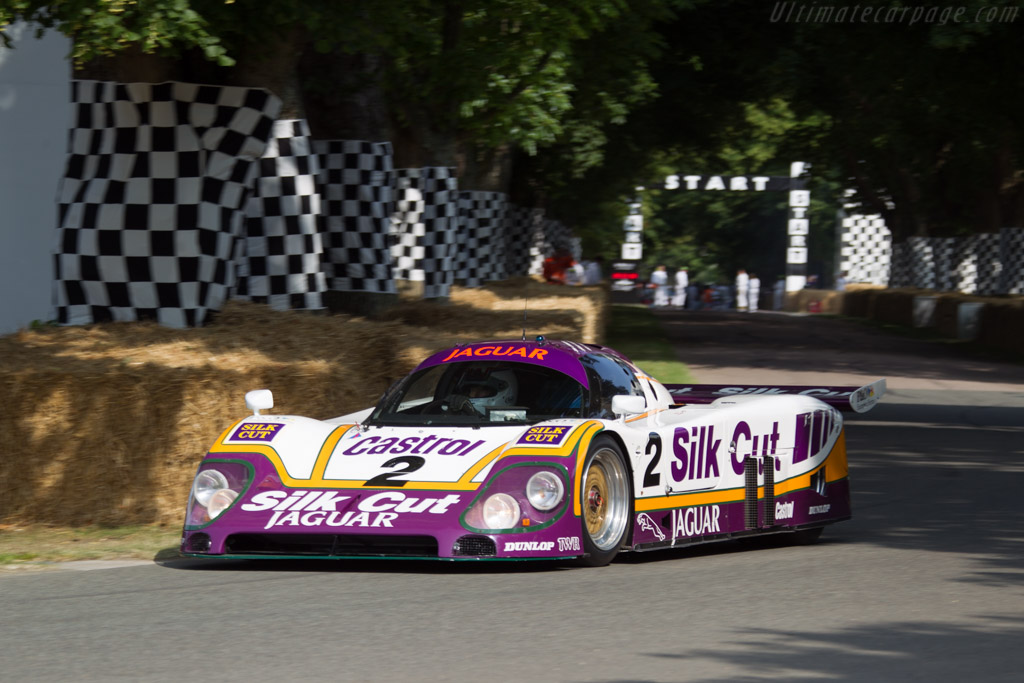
[{"x": 925, "y": 583}]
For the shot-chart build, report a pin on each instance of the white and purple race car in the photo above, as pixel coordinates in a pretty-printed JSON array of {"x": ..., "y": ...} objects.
[{"x": 512, "y": 450}]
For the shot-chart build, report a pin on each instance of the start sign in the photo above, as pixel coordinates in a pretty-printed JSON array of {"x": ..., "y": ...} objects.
[{"x": 798, "y": 225}]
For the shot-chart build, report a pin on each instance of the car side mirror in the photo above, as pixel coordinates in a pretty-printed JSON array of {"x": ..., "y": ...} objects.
[
  {"x": 259, "y": 399},
  {"x": 625, "y": 404}
]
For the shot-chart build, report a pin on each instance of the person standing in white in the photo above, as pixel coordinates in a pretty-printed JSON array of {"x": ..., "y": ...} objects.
[
  {"x": 754, "y": 292},
  {"x": 742, "y": 286},
  {"x": 682, "y": 281},
  {"x": 659, "y": 278},
  {"x": 779, "y": 295}
]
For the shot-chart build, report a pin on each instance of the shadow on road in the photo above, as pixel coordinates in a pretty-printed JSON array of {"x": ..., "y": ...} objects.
[{"x": 902, "y": 651}]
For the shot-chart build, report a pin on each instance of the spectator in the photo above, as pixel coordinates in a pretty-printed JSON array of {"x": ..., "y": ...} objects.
[
  {"x": 574, "y": 274},
  {"x": 707, "y": 297},
  {"x": 755, "y": 292},
  {"x": 659, "y": 278},
  {"x": 592, "y": 273},
  {"x": 555, "y": 266},
  {"x": 742, "y": 287},
  {"x": 682, "y": 282},
  {"x": 779, "y": 295},
  {"x": 841, "y": 282}
]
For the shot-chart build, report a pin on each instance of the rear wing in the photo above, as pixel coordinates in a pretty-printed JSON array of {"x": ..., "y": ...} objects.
[{"x": 856, "y": 399}]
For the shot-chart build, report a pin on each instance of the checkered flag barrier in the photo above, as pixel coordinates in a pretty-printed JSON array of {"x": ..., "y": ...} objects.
[
  {"x": 922, "y": 262},
  {"x": 150, "y": 204},
  {"x": 986, "y": 264},
  {"x": 356, "y": 181},
  {"x": 945, "y": 252},
  {"x": 980, "y": 265},
  {"x": 901, "y": 270},
  {"x": 549, "y": 235},
  {"x": 519, "y": 228},
  {"x": 1011, "y": 249},
  {"x": 280, "y": 260},
  {"x": 480, "y": 252},
  {"x": 576, "y": 247},
  {"x": 865, "y": 249},
  {"x": 424, "y": 228}
]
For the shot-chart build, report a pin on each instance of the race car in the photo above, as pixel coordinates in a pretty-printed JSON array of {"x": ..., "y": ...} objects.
[{"x": 516, "y": 449}]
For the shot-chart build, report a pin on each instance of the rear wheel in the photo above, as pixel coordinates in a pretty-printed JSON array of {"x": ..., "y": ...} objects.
[{"x": 606, "y": 496}]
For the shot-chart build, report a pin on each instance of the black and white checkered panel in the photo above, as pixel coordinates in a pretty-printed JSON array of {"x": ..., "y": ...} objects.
[
  {"x": 424, "y": 228},
  {"x": 1012, "y": 253},
  {"x": 576, "y": 247},
  {"x": 495, "y": 209},
  {"x": 549, "y": 236},
  {"x": 150, "y": 204},
  {"x": 518, "y": 235},
  {"x": 865, "y": 251},
  {"x": 480, "y": 253},
  {"x": 356, "y": 185},
  {"x": 465, "y": 240},
  {"x": 901, "y": 271},
  {"x": 282, "y": 254},
  {"x": 980, "y": 267},
  {"x": 922, "y": 262},
  {"x": 540, "y": 245},
  {"x": 945, "y": 251}
]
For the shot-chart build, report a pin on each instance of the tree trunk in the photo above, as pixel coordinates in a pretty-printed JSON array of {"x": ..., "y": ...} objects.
[
  {"x": 345, "y": 98},
  {"x": 484, "y": 169}
]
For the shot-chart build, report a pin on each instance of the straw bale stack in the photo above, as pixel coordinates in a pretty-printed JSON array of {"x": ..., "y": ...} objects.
[{"x": 105, "y": 424}]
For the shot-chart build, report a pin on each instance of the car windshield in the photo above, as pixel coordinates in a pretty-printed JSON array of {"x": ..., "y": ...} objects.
[{"x": 480, "y": 393}]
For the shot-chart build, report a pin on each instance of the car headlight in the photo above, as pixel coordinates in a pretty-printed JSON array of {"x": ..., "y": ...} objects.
[
  {"x": 544, "y": 490},
  {"x": 220, "y": 501},
  {"x": 207, "y": 483},
  {"x": 501, "y": 511},
  {"x": 216, "y": 487}
]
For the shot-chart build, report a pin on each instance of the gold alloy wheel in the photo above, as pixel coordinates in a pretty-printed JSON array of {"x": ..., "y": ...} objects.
[
  {"x": 596, "y": 500},
  {"x": 606, "y": 499}
]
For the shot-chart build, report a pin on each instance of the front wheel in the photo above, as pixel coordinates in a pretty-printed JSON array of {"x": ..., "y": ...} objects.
[{"x": 606, "y": 497}]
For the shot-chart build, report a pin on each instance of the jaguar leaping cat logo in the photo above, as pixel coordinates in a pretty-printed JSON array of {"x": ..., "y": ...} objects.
[{"x": 647, "y": 524}]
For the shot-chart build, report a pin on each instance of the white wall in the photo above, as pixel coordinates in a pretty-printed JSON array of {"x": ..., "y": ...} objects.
[{"x": 35, "y": 113}]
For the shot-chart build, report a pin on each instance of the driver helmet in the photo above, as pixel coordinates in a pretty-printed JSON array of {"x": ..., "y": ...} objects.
[{"x": 499, "y": 389}]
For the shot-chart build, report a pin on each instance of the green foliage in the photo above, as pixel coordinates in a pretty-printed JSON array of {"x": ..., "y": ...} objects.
[
  {"x": 499, "y": 72},
  {"x": 919, "y": 120},
  {"x": 103, "y": 28}
]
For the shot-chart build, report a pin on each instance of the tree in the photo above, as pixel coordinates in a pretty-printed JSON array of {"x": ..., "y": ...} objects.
[{"x": 918, "y": 116}]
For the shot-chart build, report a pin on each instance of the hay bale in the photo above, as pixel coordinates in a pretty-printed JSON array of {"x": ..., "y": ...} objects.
[
  {"x": 814, "y": 301},
  {"x": 1001, "y": 325},
  {"x": 105, "y": 424},
  {"x": 896, "y": 306}
]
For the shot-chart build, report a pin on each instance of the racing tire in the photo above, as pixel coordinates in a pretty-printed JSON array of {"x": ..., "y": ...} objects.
[{"x": 606, "y": 501}]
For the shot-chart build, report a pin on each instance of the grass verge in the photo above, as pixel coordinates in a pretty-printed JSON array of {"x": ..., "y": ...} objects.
[
  {"x": 633, "y": 330},
  {"x": 39, "y": 546}
]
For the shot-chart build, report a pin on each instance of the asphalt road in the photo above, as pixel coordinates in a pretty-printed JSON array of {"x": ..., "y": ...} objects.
[{"x": 925, "y": 583}]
